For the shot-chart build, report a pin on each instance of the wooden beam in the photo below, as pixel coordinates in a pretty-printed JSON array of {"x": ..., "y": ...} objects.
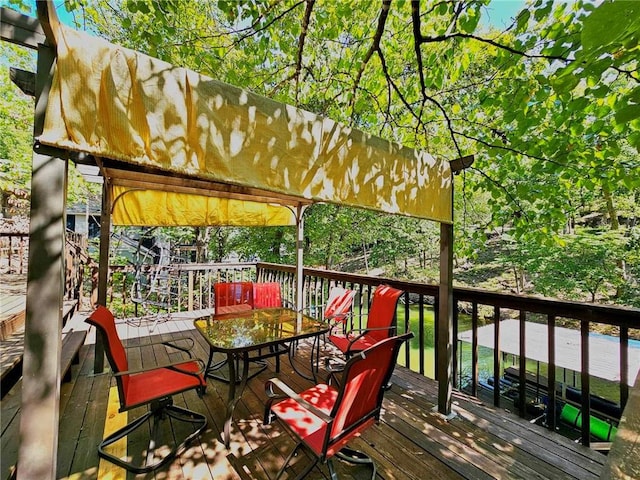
[
  {"x": 25, "y": 81},
  {"x": 168, "y": 182},
  {"x": 445, "y": 320},
  {"x": 135, "y": 184},
  {"x": 39, "y": 419},
  {"x": 461, "y": 163},
  {"x": 20, "y": 29}
]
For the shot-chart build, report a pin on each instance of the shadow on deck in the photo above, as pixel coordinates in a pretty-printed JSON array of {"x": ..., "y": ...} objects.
[{"x": 410, "y": 442}]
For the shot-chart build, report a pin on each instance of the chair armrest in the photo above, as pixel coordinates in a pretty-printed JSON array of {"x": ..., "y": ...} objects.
[
  {"x": 334, "y": 370},
  {"x": 171, "y": 343},
  {"x": 364, "y": 332},
  {"x": 287, "y": 392},
  {"x": 171, "y": 365}
]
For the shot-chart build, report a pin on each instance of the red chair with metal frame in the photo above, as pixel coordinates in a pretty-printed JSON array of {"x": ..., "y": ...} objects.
[
  {"x": 155, "y": 388},
  {"x": 337, "y": 311},
  {"x": 325, "y": 418},
  {"x": 267, "y": 295},
  {"x": 233, "y": 297},
  {"x": 339, "y": 306},
  {"x": 380, "y": 323}
]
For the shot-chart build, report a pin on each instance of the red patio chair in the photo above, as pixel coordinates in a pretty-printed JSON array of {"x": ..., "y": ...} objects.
[
  {"x": 380, "y": 323},
  {"x": 325, "y": 418},
  {"x": 337, "y": 310},
  {"x": 267, "y": 295},
  {"x": 339, "y": 305},
  {"x": 233, "y": 297},
  {"x": 153, "y": 387}
]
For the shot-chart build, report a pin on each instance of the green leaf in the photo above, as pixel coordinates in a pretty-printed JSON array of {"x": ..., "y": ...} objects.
[
  {"x": 469, "y": 21},
  {"x": 627, "y": 114},
  {"x": 523, "y": 19},
  {"x": 610, "y": 25},
  {"x": 564, "y": 83},
  {"x": 634, "y": 140}
]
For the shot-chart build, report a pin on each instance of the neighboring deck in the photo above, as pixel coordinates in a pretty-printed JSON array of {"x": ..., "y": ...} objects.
[{"x": 411, "y": 441}]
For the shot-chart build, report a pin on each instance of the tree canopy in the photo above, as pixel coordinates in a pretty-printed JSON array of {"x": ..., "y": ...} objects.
[{"x": 549, "y": 105}]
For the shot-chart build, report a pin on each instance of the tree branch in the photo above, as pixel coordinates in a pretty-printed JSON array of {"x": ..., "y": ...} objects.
[
  {"x": 443, "y": 38},
  {"x": 301, "y": 41},
  {"x": 417, "y": 40},
  {"x": 504, "y": 189},
  {"x": 628, "y": 73},
  {"x": 375, "y": 47}
]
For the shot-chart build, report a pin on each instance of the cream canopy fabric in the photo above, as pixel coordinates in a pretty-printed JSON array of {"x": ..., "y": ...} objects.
[{"x": 119, "y": 104}]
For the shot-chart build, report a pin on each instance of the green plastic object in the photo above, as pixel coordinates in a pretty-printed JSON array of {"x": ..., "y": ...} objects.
[{"x": 600, "y": 429}]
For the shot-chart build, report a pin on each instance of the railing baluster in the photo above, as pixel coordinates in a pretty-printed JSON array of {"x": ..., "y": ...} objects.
[
  {"x": 551, "y": 374},
  {"x": 455, "y": 380},
  {"x": 522, "y": 388},
  {"x": 474, "y": 349},
  {"x": 585, "y": 383},
  {"x": 421, "y": 338},
  {"x": 624, "y": 366},
  {"x": 497, "y": 357},
  {"x": 436, "y": 329},
  {"x": 406, "y": 327}
]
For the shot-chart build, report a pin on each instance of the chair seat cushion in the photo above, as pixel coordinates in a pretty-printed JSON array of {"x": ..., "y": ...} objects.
[
  {"x": 307, "y": 426},
  {"x": 344, "y": 343},
  {"x": 146, "y": 386}
]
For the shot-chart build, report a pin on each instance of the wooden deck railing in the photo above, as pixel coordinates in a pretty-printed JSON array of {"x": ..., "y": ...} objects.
[
  {"x": 478, "y": 305},
  {"x": 13, "y": 252},
  {"x": 474, "y": 307}
]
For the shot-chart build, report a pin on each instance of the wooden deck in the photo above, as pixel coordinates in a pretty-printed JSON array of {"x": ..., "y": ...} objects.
[{"x": 410, "y": 442}]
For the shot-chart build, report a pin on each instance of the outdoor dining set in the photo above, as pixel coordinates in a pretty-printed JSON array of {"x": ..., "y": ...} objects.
[{"x": 250, "y": 324}]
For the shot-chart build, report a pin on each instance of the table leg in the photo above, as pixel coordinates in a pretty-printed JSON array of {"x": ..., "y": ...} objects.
[
  {"x": 316, "y": 345},
  {"x": 211, "y": 368},
  {"x": 232, "y": 398}
]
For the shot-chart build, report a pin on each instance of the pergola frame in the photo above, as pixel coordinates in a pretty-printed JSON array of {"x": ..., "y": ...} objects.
[{"x": 41, "y": 371}]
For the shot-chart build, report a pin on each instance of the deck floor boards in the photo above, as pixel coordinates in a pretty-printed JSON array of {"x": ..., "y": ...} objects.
[{"x": 412, "y": 441}]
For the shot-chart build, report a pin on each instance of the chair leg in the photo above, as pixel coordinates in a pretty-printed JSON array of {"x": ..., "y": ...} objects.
[
  {"x": 158, "y": 413},
  {"x": 295, "y": 451},
  {"x": 355, "y": 457}
]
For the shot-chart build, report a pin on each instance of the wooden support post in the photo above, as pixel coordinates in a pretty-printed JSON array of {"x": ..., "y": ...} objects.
[
  {"x": 103, "y": 268},
  {"x": 299, "y": 257},
  {"x": 37, "y": 453},
  {"x": 445, "y": 320}
]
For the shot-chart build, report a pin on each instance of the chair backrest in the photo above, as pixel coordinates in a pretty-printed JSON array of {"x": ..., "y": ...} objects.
[
  {"x": 267, "y": 295},
  {"x": 105, "y": 324},
  {"x": 339, "y": 304},
  {"x": 232, "y": 294},
  {"x": 382, "y": 312},
  {"x": 364, "y": 379}
]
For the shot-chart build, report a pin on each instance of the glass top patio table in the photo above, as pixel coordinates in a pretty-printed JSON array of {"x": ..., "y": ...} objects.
[
  {"x": 255, "y": 329},
  {"x": 237, "y": 334}
]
